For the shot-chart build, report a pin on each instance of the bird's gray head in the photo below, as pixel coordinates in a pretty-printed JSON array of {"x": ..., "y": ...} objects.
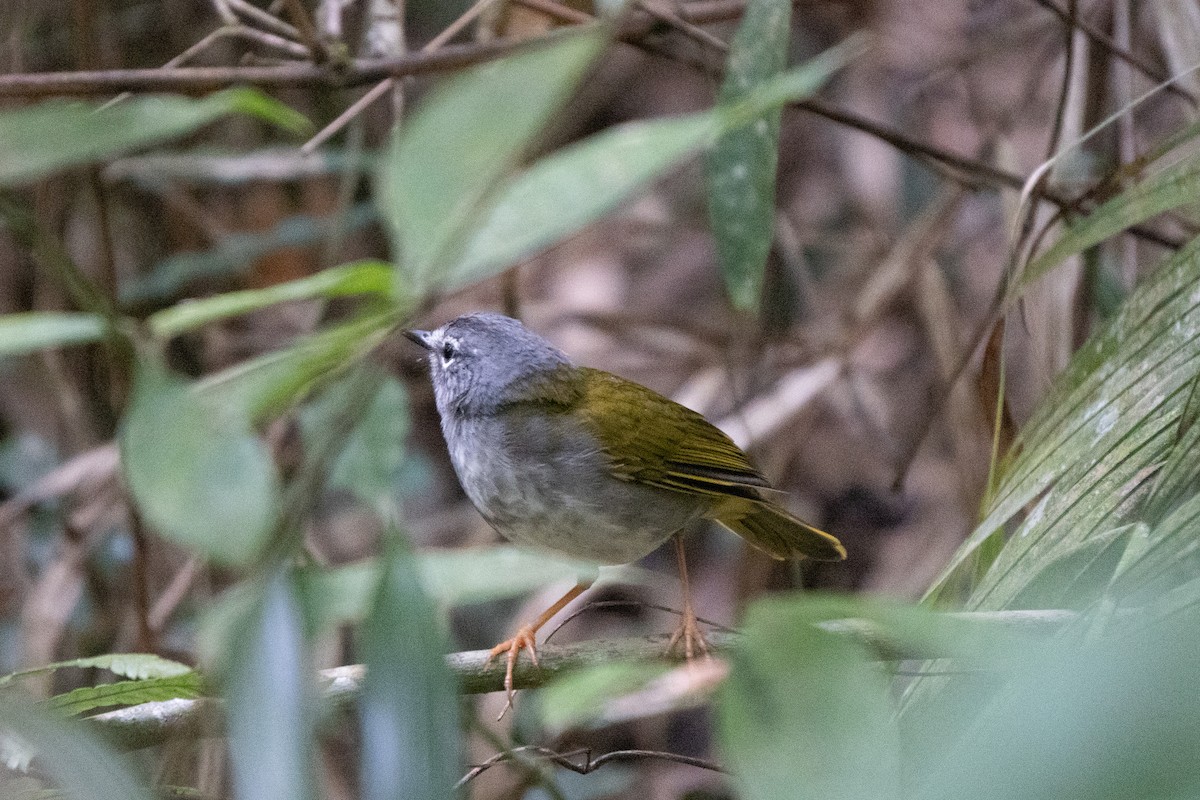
[{"x": 477, "y": 360}]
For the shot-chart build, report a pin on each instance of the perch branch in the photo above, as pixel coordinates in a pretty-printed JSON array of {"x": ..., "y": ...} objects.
[{"x": 151, "y": 724}]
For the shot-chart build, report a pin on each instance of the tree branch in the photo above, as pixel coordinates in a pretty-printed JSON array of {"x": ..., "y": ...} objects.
[
  {"x": 151, "y": 724},
  {"x": 634, "y": 27}
]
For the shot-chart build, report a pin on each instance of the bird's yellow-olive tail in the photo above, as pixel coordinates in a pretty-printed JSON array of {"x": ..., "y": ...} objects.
[{"x": 780, "y": 535}]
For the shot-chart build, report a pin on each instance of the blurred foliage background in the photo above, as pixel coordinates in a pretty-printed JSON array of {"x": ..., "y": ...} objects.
[{"x": 933, "y": 263}]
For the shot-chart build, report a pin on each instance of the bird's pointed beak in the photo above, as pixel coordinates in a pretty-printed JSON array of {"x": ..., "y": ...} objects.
[{"x": 420, "y": 337}]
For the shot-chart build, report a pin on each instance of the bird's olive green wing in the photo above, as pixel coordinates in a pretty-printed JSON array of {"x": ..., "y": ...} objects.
[
  {"x": 656, "y": 441},
  {"x": 652, "y": 440}
]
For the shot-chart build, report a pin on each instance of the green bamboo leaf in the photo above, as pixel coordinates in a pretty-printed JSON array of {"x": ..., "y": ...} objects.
[
  {"x": 198, "y": 473},
  {"x": 187, "y": 686},
  {"x": 55, "y": 134},
  {"x": 563, "y": 192},
  {"x": 30, "y": 331},
  {"x": 409, "y": 708},
  {"x": 270, "y": 698},
  {"x": 82, "y": 766},
  {"x": 741, "y": 167},
  {"x": 462, "y": 140},
  {"x": 362, "y": 277},
  {"x": 1092, "y": 449},
  {"x": 1173, "y": 187}
]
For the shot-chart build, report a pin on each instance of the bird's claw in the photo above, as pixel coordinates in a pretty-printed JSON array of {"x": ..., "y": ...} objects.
[
  {"x": 523, "y": 640},
  {"x": 689, "y": 635}
]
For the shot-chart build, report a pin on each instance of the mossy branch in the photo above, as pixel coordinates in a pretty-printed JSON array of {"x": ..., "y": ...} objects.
[{"x": 151, "y": 724}]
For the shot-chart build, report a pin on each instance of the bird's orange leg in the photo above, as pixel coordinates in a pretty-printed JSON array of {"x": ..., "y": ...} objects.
[
  {"x": 688, "y": 634},
  {"x": 525, "y": 640}
]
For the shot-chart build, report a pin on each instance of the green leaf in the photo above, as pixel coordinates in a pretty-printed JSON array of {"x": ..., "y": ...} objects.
[
  {"x": 342, "y": 594},
  {"x": 269, "y": 384},
  {"x": 370, "y": 460},
  {"x": 235, "y": 254},
  {"x": 1173, "y": 187},
  {"x": 138, "y": 666},
  {"x": 575, "y": 186},
  {"x": 478, "y": 574},
  {"x": 363, "y": 277},
  {"x": 187, "y": 686},
  {"x": 409, "y": 707},
  {"x": 31, "y": 331},
  {"x": 1107, "y": 719},
  {"x": 584, "y": 697},
  {"x": 1169, "y": 557},
  {"x": 196, "y": 470},
  {"x": 742, "y": 166},
  {"x": 804, "y": 713},
  {"x": 1077, "y": 577},
  {"x": 79, "y": 763},
  {"x": 562, "y": 193},
  {"x": 270, "y": 699},
  {"x": 55, "y": 134},
  {"x": 1095, "y": 443},
  {"x": 447, "y": 158},
  {"x": 1179, "y": 478}
]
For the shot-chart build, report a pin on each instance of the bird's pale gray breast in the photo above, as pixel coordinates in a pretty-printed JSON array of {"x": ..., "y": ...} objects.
[{"x": 540, "y": 479}]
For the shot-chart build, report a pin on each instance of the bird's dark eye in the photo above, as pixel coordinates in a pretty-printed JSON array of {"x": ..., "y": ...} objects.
[{"x": 449, "y": 351}]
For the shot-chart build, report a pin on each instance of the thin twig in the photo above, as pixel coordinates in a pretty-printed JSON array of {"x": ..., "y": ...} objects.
[
  {"x": 380, "y": 89},
  {"x": 263, "y": 18},
  {"x": 557, "y": 11},
  {"x": 195, "y": 79},
  {"x": 595, "y": 604},
  {"x": 689, "y": 29},
  {"x": 589, "y": 764},
  {"x": 306, "y": 30},
  {"x": 1117, "y": 49}
]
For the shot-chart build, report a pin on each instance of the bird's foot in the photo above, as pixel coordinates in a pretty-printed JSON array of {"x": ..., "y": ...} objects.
[
  {"x": 523, "y": 640},
  {"x": 688, "y": 637}
]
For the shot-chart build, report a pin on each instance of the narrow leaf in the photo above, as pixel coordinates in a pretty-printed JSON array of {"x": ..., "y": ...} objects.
[
  {"x": 409, "y": 708},
  {"x": 235, "y": 254},
  {"x": 128, "y": 665},
  {"x": 270, "y": 714},
  {"x": 1173, "y": 187},
  {"x": 364, "y": 277},
  {"x": 31, "y": 331},
  {"x": 742, "y": 166},
  {"x": 55, "y": 134},
  {"x": 466, "y": 137},
  {"x": 563, "y": 192},
  {"x": 81, "y": 765},
  {"x": 270, "y": 383},
  {"x": 127, "y": 693}
]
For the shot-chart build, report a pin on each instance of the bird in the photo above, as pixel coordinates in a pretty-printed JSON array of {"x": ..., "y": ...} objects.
[{"x": 586, "y": 464}]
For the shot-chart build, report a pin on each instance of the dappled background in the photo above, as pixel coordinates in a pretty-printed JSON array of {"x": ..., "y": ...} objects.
[{"x": 865, "y": 386}]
